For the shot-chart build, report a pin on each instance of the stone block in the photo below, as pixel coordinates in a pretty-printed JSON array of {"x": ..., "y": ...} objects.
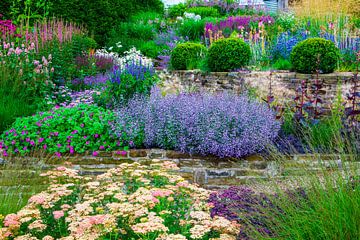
[
  {"x": 177, "y": 155},
  {"x": 137, "y": 153},
  {"x": 190, "y": 163},
  {"x": 219, "y": 173},
  {"x": 258, "y": 164},
  {"x": 104, "y": 154},
  {"x": 200, "y": 177}
]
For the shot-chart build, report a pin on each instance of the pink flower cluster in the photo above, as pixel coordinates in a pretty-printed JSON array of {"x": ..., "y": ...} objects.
[{"x": 132, "y": 201}]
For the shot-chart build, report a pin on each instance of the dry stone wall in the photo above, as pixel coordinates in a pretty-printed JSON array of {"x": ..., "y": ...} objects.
[
  {"x": 208, "y": 172},
  {"x": 283, "y": 84}
]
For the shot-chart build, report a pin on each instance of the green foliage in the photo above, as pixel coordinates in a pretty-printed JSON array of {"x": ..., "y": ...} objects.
[
  {"x": 204, "y": 11},
  {"x": 326, "y": 205},
  {"x": 192, "y": 29},
  {"x": 99, "y": 15},
  {"x": 81, "y": 44},
  {"x": 315, "y": 54},
  {"x": 130, "y": 35},
  {"x": 5, "y": 8},
  {"x": 282, "y": 64},
  {"x": 75, "y": 130},
  {"x": 12, "y": 106},
  {"x": 187, "y": 55},
  {"x": 150, "y": 49},
  {"x": 124, "y": 84},
  {"x": 177, "y": 10},
  {"x": 228, "y": 54},
  {"x": 153, "y": 19},
  {"x": 18, "y": 182}
]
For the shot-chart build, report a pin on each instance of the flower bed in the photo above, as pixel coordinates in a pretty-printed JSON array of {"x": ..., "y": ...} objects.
[{"x": 128, "y": 202}]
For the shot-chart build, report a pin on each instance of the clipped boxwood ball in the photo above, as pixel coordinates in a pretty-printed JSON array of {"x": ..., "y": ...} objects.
[
  {"x": 187, "y": 55},
  {"x": 228, "y": 54},
  {"x": 304, "y": 56}
]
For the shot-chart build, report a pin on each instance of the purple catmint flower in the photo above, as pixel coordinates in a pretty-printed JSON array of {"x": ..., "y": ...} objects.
[{"x": 223, "y": 125}]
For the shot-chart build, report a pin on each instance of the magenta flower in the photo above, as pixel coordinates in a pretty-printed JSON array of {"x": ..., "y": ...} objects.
[
  {"x": 101, "y": 147},
  {"x": 32, "y": 143},
  {"x": 45, "y": 147},
  {"x": 57, "y": 154},
  {"x": 95, "y": 153},
  {"x": 41, "y": 140}
]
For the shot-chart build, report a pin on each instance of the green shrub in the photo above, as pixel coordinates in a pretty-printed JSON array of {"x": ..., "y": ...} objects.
[
  {"x": 193, "y": 30},
  {"x": 305, "y": 55},
  {"x": 228, "y": 54},
  {"x": 150, "y": 49},
  {"x": 153, "y": 19},
  {"x": 204, "y": 11},
  {"x": 99, "y": 15},
  {"x": 187, "y": 55},
  {"x": 282, "y": 64},
  {"x": 82, "y": 44},
  {"x": 177, "y": 10},
  {"x": 64, "y": 130},
  {"x": 129, "y": 35},
  {"x": 136, "y": 78}
]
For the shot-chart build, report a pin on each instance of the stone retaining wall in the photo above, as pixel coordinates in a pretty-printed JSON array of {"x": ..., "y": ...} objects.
[
  {"x": 209, "y": 172},
  {"x": 283, "y": 83}
]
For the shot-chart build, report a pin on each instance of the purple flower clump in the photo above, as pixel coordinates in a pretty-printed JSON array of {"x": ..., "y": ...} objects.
[
  {"x": 242, "y": 204},
  {"x": 222, "y": 125}
]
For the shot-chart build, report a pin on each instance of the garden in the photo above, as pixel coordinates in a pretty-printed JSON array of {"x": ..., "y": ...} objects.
[{"x": 204, "y": 119}]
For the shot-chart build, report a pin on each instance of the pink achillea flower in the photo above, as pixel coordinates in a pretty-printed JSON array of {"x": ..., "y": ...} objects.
[
  {"x": 12, "y": 220},
  {"x": 58, "y": 214}
]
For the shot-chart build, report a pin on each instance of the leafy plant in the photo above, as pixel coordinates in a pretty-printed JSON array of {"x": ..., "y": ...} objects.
[
  {"x": 228, "y": 54},
  {"x": 204, "y": 11},
  {"x": 187, "y": 55},
  {"x": 123, "y": 84},
  {"x": 176, "y": 10},
  {"x": 63, "y": 130},
  {"x": 305, "y": 54},
  {"x": 221, "y": 125}
]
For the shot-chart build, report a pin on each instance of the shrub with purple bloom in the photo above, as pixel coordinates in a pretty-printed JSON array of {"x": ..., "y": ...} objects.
[
  {"x": 243, "y": 205},
  {"x": 124, "y": 83},
  {"x": 221, "y": 125}
]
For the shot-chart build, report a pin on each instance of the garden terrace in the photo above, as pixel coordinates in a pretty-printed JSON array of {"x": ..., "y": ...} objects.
[{"x": 200, "y": 120}]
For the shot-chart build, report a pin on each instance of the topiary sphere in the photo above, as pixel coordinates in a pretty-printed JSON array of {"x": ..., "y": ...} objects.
[
  {"x": 228, "y": 54},
  {"x": 186, "y": 54},
  {"x": 315, "y": 54}
]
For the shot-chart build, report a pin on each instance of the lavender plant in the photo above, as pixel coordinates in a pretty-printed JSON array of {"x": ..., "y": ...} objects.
[
  {"x": 221, "y": 125},
  {"x": 124, "y": 83}
]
